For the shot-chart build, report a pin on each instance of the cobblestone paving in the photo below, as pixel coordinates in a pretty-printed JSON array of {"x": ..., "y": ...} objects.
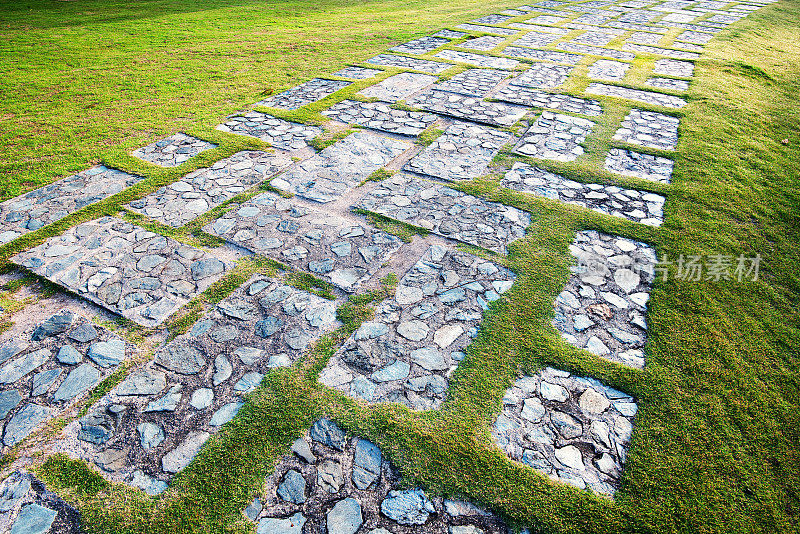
[
  {"x": 277, "y": 132},
  {"x": 636, "y": 206},
  {"x": 447, "y": 212},
  {"x": 604, "y": 69},
  {"x": 543, "y": 76},
  {"x": 670, "y": 67},
  {"x": 449, "y": 34},
  {"x": 555, "y": 136},
  {"x": 337, "y": 250},
  {"x": 540, "y": 99},
  {"x": 340, "y": 167},
  {"x": 644, "y": 166},
  {"x": 173, "y": 150},
  {"x": 26, "y": 507},
  {"x": 53, "y": 202},
  {"x": 152, "y": 424},
  {"x": 199, "y": 191},
  {"x": 49, "y": 367},
  {"x": 573, "y": 429},
  {"x": 485, "y": 43},
  {"x": 648, "y": 97},
  {"x": 539, "y": 28},
  {"x": 417, "y": 338},
  {"x": 463, "y": 152},
  {"x": 473, "y": 82},
  {"x": 424, "y": 65},
  {"x": 536, "y": 39},
  {"x": 486, "y": 29},
  {"x": 546, "y": 19},
  {"x": 304, "y": 94},
  {"x": 595, "y": 50},
  {"x": 381, "y": 117},
  {"x": 595, "y": 38},
  {"x": 667, "y": 83},
  {"x": 687, "y": 46},
  {"x": 398, "y": 87},
  {"x": 136, "y": 273},
  {"x": 340, "y": 484},
  {"x": 675, "y": 54},
  {"x": 649, "y": 129},
  {"x": 694, "y": 37},
  {"x": 357, "y": 73},
  {"x": 602, "y": 308},
  {"x": 487, "y": 62},
  {"x": 423, "y": 45},
  {"x": 468, "y": 107},
  {"x": 541, "y": 55}
]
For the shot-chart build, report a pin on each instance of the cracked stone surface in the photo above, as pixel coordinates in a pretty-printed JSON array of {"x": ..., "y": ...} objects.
[
  {"x": 473, "y": 82},
  {"x": 537, "y": 38},
  {"x": 484, "y": 43},
  {"x": 540, "y": 99},
  {"x": 204, "y": 189},
  {"x": 604, "y": 69},
  {"x": 675, "y": 54},
  {"x": 449, "y": 34},
  {"x": 53, "y": 202},
  {"x": 573, "y": 429},
  {"x": 486, "y": 29},
  {"x": 595, "y": 38},
  {"x": 173, "y": 150},
  {"x": 357, "y": 73},
  {"x": 648, "y": 97},
  {"x": 423, "y": 45},
  {"x": 424, "y": 65},
  {"x": 636, "y": 206},
  {"x": 304, "y": 94},
  {"x": 152, "y": 424},
  {"x": 463, "y": 152},
  {"x": 143, "y": 276},
  {"x": 49, "y": 367},
  {"x": 646, "y": 128},
  {"x": 26, "y": 507},
  {"x": 555, "y": 136},
  {"x": 541, "y": 55},
  {"x": 595, "y": 50},
  {"x": 447, "y": 212},
  {"x": 543, "y": 76},
  {"x": 339, "y": 484},
  {"x": 381, "y": 117},
  {"x": 340, "y": 167},
  {"x": 340, "y": 251},
  {"x": 603, "y": 306},
  {"x": 417, "y": 338},
  {"x": 645, "y": 38},
  {"x": 670, "y": 67},
  {"x": 277, "y": 132},
  {"x": 488, "y": 62},
  {"x": 399, "y": 86},
  {"x": 468, "y": 107},
  {"x": 667, "y": 83},
  {"x": 644, "y": 166}
]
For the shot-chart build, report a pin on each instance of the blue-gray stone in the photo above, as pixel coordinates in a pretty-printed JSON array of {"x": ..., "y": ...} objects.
[
  {"x": 83, "y": 333},
  {"x": 68, "y": 355},
  {"x": 206, "y": 267},
  {"x": 224, "y": 333},
  {"x": 42, "y": 381},
  {"x": 202, "y": 398},
  {"x": 222, "y": 370},
  {"x": 96, "y": 428},
  {"x": 396, "y": 371},
  {"x": 363, "y": 478},
  {"x": 368, "y": 456},
  {"x": 342, "y": 248},
  {"x": 33, "y": 519},
  {"x": 407, "y": 507},
  {"x": 150, "y": 435},
  {"x": 107, "y": 353},
  {"x": 268, "y": 326},
  {"x": 14, "y": 488},
  {"x": 241, "y": 310},
  {"x": 19, "y": 367},
  {"x": 225, "y": 414},
  {"x": 345, "y": 517},
  {"x": 8, "y": 401},
  {"x": 23, "y": 423},
  {"x": 326, "y": 432},
  {"x": 248, "y": 382},
  {"x": 145, "y": 382},
  {"x": 363, "y": 388},
  {"x": 253, "y": 509},
  {"x": 451, "y": 296},
  {"x": 257, "y": 287},
  {"x": 11, "y": 349},
  {"x": 54, "y": 325},
  {"x": 181, "y": 358},
  {"x": 80, "y": 379},
  {"x": 148, "y": 484},
  {"x": 184, "y": 453},
  {"x": 274, "y": 525},
  {"x": 293, "y": 487},
  {"x": 167, "y": 403},
  {"x": 322, "y": 266},
  {"x": 201, "y": 327},
  {"x": 371, "y": 330}
]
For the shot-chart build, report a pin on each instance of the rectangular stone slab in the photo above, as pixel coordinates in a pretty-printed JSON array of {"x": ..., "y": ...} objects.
[
  {"x": 423, "y": 45},
  {"x": 468, "y": 108},
  {"x": 534, "y": 54},
  {"x": 183, "y": 201},
  {"x": 484, "y": 43},
  {"x": 305, "y": 93},
  {"x": 53, "y": 202},
  {"x": 173, "y": 150},
  {"x": 397, "y": 87},
  {"x": 379, "y": 116},
  {"x": 540, "y": 99},
  {"x": 447, "y": 212},
  {"x": 473, "y": 82},
  {"x": 648, "y": 97},
  {"x": 543, "y": 76},
  {"x": 596, "y": 50},
  {"x": 486, "y": 29},
  {"x": 340, "y": 251},
  {"x": 555, "y": 136},
  {"x": 277, "y": 132},
  {"x": 418, "y": 336},
  {"x": 675, "y": 54},
  {"x": 340, "y": 167},
  {"x": 424, "y": 65},
  {"x": 143, "y": 276},
  {"x": 488, "y": 62},
  {"x": 646, "y": 128},
  {"x": 463, "y": 152}
]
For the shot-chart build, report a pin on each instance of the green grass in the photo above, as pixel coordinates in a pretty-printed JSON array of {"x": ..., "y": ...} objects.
[{"x": 715, "y": 448}]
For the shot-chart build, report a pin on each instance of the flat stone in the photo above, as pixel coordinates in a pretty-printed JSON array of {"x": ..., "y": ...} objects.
[
  {"x": 68, "y": 355},
  {"x": 291, "y": 525},
  {"x": 81, "y": 379},
  {"x": 24, "y": 422},
  {"x": 225, "y": 413},
  {"x": 16, "y": 369},
  {"x": 345, "y": 517},
  {"x": 9, "y": 400},
  {"x": 408, "y": 507},
  {"x": 326, "y": 432},
  {"x": 304, "y": 94},
  {"x": 184, "y": 453},
  {"x": 180, "y": 358},
  {"x": 202, "y": 398},
  {"x": 150, "y": 435},
  {"x": 293, "y": 488},
  {"x": 33, "y": 519},
  {"x": 144, "y": 382}
]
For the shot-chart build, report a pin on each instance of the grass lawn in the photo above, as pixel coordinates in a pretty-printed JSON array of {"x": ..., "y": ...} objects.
[{"x": 716, "y": 442}]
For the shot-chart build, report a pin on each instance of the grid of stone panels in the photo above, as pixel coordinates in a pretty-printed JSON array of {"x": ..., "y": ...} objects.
[
  {"x": 340, "y": 251},
  {"x": 602, "y": 309},
  {"x": 397, "y": 87},
  {"x": 449, "y": 34},
  {"x": 423, "y": 45},
  {"x": 53, "y": 202},
  {"x": 483, "y": 43},
  {"x": 573, "y": 429},
  {"x": 379, "y": 116},
  {"x": 140, "y": 275},
  {"x": 595, "y": 38},
  {"x": 541, "y": 55},
  {"x": 304, "y": 94},
  {"x": 648, "y": 97},
  {"x": 536, "y": 39},
  {"x": 636, "y": 206},
  {"x": 473, "y": 82},
  {"x": 338, "y": 484},
  {"x": 646, "y": 128},
  {"x": 173, "y": 150},
  {"x": 340, "y": 167},
  {"x": 468, "y": 107},
  {"x": 199, "y": 191},
  {"x": 50, "y": 366},
  {"x": 555, "y": 136},
  {"x": 605, "y": 69},
  {"x": 277, "y": 132},
  {"x": 489, "y": 62},
  {"x": 447, "y": 212},
  {"x": 540, "y": 99},
  {"x": 644, "y": 166},
  {"x": 463, "y": 152},
  {"x": 675, "y": 54},
  {"x": 646, "y": 38},
  {"x": 671, "y": 67},
  {"x": 486, "y": 29},
  {"x": 152, "y": 424},
  {"x": 357, "y": 73},
  {"x": 543, "y": 76},
  {"x": 418, "y": 337},
  {"x": 423, "y": 65},
  {"x": 595, "y": 50},
  {"x": 667, "y": 83}
]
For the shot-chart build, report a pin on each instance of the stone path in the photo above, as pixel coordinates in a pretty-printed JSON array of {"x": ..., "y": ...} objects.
[
  {"x": 473, "y": 82},
  {"x": 304, "y": 94},
  {"x": 379, "y": 116},
  {"x": 646, "y": 128},
  {"x": 644, "y": 166},
  {"x": 173, "y": 150},
  {"x": 648, "y": 97},
  {"x": 423, "y": 65},
  {"x": 398, "y": 87},
  {"x": 487, "y": 62},
  {"x": 555, "y": 136},
  {"x": 423, "y": 45},
  {"x": 467, "y": 107},
  {"x": 277, "y": 132},
  {"x": 540, "y": 99},
  {"x": 26, "y": 507}
]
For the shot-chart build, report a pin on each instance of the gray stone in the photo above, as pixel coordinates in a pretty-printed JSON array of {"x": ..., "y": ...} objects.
[
  {"x": 180, "y": 358},
  {"x": 144, "y": 382},
  {"x": 408, "y": 507},
  {"x": 16, "y": 369},
  {"x": 184, "y": 453},
  {"x": 479, "y": 60},
  {"x": 293, "y": 487},
  {"x": 81, "y": 379},
  {"x": 467, "y": 107},
  {"x": 225, "y": 414},
  {"x": 56, "y": 324},
  {"x": 202, "y": 398},
  {"x": 301, "y": 448},
  {"x": 83, "y": 333},
  {"x": 42, "y": 381},
  {"x": 329, "y": 476},
  {"x": 291, "y": 525},
  {"x": 167, "y": 403},
  {"x": 249, "y": 382},
  {"x": 173, "y": 150},
  {"x": 326, "y": 432},
  {"x": 24, "y": 422},
  {"x": 68, "y": 355},
  {"x": 345, "y": 517},
  {"x": 399, "y": 86},
  {"x": 423, "y": 65},
  {"x": 33, "y": 519},
  {"x": 150, "y": 435},
  {"x": 9, "y": 400},
  {"x": 304, "y": 94},
  {"x": 107, "y": 353},
  {"x": 277, "y": 132}
]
